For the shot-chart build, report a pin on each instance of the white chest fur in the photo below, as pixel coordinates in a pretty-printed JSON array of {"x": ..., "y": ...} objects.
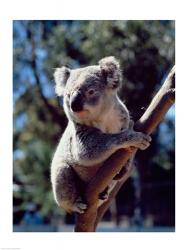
[{"x": 116, "y": 119}]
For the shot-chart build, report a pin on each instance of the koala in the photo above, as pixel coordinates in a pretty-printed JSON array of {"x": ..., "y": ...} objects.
[{"x": 98, "y": 125}]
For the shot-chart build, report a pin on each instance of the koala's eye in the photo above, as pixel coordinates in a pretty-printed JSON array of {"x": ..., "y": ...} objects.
[{"x": 90, "y": 92}]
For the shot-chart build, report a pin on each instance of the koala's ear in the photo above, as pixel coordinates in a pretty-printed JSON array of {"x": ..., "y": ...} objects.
[
  {"x": 61, "y": 76},
  {"x": 110, "y": 68}
]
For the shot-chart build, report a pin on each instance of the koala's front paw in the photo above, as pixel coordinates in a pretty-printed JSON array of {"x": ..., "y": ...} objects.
[
  {"x": 141, "y": 140},
  {"x": 79, "y": 206}
]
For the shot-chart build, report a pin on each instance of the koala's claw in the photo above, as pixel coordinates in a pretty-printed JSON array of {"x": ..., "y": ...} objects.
[
  {"x": 143, "y": 141},
  {"x": 80, "y": 207},
  {"x": 143, "y": 146}
]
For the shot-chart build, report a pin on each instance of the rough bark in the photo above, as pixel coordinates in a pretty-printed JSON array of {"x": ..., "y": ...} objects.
[{"x": 154, "y": 114}]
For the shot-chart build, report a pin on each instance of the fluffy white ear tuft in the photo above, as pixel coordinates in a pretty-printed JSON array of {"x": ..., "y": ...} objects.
[
  {"x": 61, "y": 76},
  {"x": 111, "y": 69},
  {"x": 109, "y": 63}
]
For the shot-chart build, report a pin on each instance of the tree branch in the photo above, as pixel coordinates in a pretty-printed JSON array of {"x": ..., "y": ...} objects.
[{"x": 155, "y": 113}]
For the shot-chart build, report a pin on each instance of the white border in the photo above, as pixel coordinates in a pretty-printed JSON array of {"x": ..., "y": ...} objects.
[{"x": 120, "y": 10}]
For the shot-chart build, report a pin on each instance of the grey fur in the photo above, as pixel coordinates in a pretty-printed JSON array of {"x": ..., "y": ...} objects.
[{"x": 98, "y": 126}]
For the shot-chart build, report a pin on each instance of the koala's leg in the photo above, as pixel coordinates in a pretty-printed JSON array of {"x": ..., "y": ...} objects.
[{"x": 68, "y": 190}]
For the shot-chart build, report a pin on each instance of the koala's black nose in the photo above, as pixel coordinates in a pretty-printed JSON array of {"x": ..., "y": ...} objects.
[{"x": 76, "y": 102}]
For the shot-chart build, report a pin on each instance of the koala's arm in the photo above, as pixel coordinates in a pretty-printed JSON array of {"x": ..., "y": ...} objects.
[{"x": 93, "y": 146}]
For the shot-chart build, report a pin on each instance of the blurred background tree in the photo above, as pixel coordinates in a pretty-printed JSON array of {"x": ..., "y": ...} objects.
[{"x": 146, "y": 53}]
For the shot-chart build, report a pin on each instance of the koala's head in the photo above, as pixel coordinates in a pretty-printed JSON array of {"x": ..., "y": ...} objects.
[{"x": 88, "y": 92}]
